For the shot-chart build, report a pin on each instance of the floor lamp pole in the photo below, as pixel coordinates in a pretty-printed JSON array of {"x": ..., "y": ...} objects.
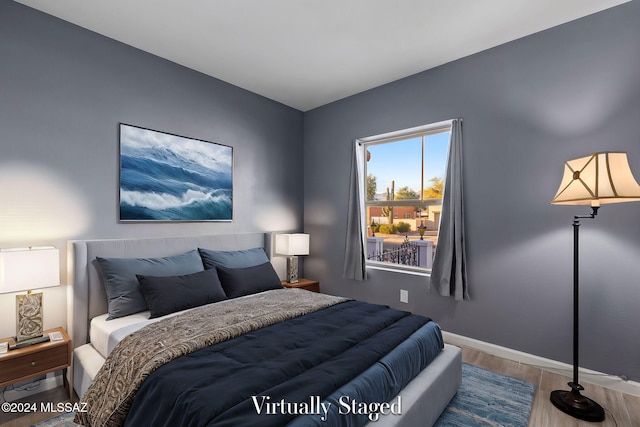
[{"x": 572, "y": 402}]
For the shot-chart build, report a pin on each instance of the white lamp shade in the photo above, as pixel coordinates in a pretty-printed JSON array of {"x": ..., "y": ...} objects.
[
  {"x": 292, "y": 244},
  {"x": 23, "y": 269},
  {"x": 599, "y": 178}
]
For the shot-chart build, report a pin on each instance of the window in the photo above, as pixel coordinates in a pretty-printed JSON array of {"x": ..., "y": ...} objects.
[{"x": 403, "y": 176}]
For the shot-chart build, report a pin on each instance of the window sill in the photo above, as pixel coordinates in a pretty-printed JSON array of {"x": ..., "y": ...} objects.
[{"x": 405, "y": 270}]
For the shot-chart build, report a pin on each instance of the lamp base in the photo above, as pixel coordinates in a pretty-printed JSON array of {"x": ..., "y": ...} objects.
[
  {"x": 28, "y": 316},
  {"x": 292, "y": 269},
  {"x": 578, "y": 406}
]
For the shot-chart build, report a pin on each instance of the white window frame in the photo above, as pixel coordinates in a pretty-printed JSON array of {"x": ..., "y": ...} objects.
[{"x": 424, "y": 130}]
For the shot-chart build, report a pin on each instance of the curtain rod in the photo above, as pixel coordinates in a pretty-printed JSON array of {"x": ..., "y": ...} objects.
[{"x": 397, "y": 133}]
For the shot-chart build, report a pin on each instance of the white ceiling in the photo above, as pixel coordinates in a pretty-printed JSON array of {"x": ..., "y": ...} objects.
[{"x": 307, "y": 53}]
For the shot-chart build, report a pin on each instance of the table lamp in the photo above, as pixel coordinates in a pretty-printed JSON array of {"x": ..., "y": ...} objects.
[
  {"x": 599, "y": 178},
  {"x": 24, "y": 269},
  {"x": 292, "y": 245}
]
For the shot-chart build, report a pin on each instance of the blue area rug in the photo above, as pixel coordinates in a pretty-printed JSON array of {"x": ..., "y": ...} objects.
[
  {"x": 486, "y": 398},
  {"x": 62, "y": 420}
]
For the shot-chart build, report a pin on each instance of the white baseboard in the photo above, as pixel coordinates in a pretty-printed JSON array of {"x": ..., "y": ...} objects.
[
  {"x": 27, "y": 389},
  {"x": 586, "y": 375}
]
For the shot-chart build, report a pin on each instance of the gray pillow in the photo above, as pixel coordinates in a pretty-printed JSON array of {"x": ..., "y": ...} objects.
[
  {"x": 168, "y": 294},
  {"x": 121, "y": 284},
  {"x": 238, "y": 282},
  {"x": 233, "y": 259}
]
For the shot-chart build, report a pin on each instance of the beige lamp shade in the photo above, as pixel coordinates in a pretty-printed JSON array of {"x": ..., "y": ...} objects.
[{"x": 599, "y": 178}]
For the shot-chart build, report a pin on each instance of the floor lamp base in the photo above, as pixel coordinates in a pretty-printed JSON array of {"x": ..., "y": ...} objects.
[{"x": 577, "y": 405}]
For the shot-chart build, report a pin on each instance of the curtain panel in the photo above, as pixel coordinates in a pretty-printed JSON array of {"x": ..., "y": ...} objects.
[
  {"x": 355, "y": 244},
  {"x": 449, "y": 271}
]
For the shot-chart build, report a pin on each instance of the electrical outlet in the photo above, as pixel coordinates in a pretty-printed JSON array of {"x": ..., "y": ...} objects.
[{"x": 404, "y": 296}]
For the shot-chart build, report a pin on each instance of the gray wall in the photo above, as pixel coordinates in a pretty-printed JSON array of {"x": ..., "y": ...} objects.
[
  {"x": 63, "y": 91},
  {"x": 527, "y": 107}
]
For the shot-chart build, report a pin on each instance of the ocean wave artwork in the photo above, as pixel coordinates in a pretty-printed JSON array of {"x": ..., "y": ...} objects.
[{"x": 165, "y": 177}]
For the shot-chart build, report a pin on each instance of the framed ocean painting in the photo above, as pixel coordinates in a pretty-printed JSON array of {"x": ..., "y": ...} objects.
[{"x": 166, "y": 177}]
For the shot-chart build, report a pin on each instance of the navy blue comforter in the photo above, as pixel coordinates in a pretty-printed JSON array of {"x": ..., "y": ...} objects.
[{"x": 294, "y": 361}]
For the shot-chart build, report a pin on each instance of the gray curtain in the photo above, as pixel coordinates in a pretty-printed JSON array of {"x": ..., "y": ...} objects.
[
  {"x": 449, "y": 273},
  {"x": 354, "y": 259}
]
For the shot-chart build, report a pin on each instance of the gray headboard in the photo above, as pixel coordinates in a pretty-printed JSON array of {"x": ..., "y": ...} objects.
[{"x": 87, "y": 297}]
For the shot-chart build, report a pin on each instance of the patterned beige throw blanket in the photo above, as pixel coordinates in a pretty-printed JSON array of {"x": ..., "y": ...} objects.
[{"x": 110, "y": 395}]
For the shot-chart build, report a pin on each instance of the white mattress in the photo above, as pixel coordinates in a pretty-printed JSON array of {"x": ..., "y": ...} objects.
[{"x": 105, "y": 334}]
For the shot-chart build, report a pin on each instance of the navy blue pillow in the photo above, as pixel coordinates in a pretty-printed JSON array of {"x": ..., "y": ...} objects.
[
  {"x": 238, "y": 282},
  {"x": 168, "y": 294},
  {"x": 121, "y": 284},
  {"x": 233, "y": 259}
]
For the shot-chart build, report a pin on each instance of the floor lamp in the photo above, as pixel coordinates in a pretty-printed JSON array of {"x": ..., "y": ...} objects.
[{"x": 599, "y": 178}]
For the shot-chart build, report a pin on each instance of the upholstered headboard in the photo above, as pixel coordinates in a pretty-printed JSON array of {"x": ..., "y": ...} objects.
[{"x": 87, "y": 297}]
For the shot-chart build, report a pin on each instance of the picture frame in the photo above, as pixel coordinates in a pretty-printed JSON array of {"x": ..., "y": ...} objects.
[{"x": 167, "y": 178}]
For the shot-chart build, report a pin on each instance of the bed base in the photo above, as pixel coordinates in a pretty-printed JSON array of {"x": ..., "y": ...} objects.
[
  {"x": 423, "y": 399},
  {"x": 428, "y": 394}
]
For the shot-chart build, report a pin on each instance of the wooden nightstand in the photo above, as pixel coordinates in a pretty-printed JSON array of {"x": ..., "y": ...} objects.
[
  {"x": 309, "y": 285},
  {"x": 39, "y": 359}
]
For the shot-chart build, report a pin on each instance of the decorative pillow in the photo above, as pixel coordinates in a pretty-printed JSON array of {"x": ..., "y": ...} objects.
[
  {"x": 121, "y": 284},
  {"x": 168, "y": 294},
  {"x": 237, "y": 282},
  {"x": 233, "y": 259}
]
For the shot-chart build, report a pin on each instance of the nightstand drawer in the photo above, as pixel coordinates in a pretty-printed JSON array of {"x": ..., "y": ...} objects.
[
  {"x": 309, "y": 285},
  {"x": 313, "y": 287},
  {"x": 34, "y": 363}
]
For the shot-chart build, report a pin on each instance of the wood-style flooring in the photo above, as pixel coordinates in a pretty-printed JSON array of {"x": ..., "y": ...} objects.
[
  {"x": 621, "y": 410},
  {"x": 55, "y": 395}
]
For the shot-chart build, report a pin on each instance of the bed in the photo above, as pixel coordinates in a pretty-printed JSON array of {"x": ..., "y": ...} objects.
[{"x": 422, "y": 395}]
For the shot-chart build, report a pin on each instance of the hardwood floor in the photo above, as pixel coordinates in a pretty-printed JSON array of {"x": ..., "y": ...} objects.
[
  {"x": 621, "y": 410},
  {"x": 55, "y": 395}
]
